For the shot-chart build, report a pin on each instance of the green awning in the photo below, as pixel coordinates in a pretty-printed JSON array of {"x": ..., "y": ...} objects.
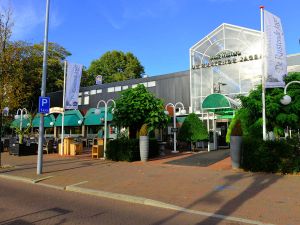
[
  {"x": 48, "y": 118},
  {"x": 218, "y": 102},
  {"x": 225, "y": 116},
  {"x": 180, "y": 119},
  {"x": 71, "y": 119},
  {"x": 25, "y": 122},
  {"x": 92, "y": 119}
]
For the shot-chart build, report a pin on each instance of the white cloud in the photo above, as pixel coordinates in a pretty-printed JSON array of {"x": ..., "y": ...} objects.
[
  {"x": 28, "y": 16},
  {"x": 120, "y": 14}
]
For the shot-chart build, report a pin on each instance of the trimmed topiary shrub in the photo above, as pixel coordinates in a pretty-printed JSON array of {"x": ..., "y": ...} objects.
[
  {"x": 192, "y": 130},
  {"x": 124, "y": 149}
]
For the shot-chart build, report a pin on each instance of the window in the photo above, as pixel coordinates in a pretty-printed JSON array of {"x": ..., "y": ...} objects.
[
  {"x": 79, "y": 100},
  {"x": 118, "y": 88},
  {"x": 99, "y": 91},
  {"x": 145, "y": 84},
  {"x": 110, "y": 89},
  {"x": 80, "y": 93},
  {"x": 134, "y": 85},
  {"x": 151, "y": 84},
  {"x": 125, "y": 87},
  {"x": 92, "y": 92},
  {"x": 86, "y": 100},
  {"x": 86, "y": 93}
]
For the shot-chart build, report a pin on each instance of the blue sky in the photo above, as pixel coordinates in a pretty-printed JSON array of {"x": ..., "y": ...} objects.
[{"x": 158, "y": 32}]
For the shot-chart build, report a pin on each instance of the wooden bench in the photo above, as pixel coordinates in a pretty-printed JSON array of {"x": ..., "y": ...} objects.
[
  {"x": 75, "y": 148},
  {"x": 97, "y": 151}
]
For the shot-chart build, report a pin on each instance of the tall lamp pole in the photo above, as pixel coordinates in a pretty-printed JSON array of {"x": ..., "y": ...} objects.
[
  {"x": 181, "y": 111},
  {"x": 43, "y": 93},
  {"x": 97, "y": 112}
]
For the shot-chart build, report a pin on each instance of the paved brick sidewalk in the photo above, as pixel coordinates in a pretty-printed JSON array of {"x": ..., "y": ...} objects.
[{"x": 269, "y": 198}]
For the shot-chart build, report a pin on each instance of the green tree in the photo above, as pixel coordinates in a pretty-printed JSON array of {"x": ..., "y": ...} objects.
[
  {"x": 192, "y": 130},
  {"x": 136, "y": 107},
  {"x": 116, "y": 66},
  {"x": 278, "y": 116}
]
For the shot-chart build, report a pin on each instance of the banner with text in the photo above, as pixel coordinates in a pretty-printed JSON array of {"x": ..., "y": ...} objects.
[
  {"x": 274, "y": 49},
  {"x": 74, "y": 72}
]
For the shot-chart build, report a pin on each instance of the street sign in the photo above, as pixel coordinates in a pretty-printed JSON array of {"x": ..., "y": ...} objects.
[
  {"x": 98, "y": 79},
  {"x": 44, "y": 105},
  {"x": 174, "y": 130}
]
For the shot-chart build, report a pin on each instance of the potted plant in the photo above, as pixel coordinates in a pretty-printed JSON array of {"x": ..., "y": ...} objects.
[
  {"x": 144, "y": 143},
  {"x": 236, "y": 144}
]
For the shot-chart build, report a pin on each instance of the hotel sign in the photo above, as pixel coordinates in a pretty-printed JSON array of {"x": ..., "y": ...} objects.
[{"x": 225, "y": 58}]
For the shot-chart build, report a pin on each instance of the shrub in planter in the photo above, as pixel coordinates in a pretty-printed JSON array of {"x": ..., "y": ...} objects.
[{"x": 236, "y": 144}]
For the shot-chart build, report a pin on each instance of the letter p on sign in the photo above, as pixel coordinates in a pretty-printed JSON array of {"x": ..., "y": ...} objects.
[{"x": 44, "y": 105}]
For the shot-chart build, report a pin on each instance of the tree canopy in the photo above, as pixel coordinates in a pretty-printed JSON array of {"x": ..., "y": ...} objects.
[
  {"x": 21, "y": 68},
  {"x": 278, "y": 116},
  {"x": 192, "y": 129},
  {"x": 116, "y": 66},
  {"x": 137, "y": 106}
]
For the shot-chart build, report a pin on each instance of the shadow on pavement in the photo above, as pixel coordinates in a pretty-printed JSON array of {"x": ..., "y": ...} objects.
[
  {"x": 202, "y": 158},
  {"x": 260, "y": 182},
  {"x": 36, "y": 217}
]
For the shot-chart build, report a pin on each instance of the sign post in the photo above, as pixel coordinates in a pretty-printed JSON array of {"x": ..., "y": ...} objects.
[{"x": 44, "y": 105}]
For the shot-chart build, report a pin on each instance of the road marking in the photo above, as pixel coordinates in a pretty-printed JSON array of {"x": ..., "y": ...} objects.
[
  {"x": 71, "y": 185},
  {"x": 51, "y": 186},
  {"x": 154, "y": 203},
  {"x": 41, "y": 179},
  {"x": 16, "y": 178}
]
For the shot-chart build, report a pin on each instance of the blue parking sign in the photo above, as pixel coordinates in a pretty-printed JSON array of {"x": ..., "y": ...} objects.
[{"x": 44, "y": 105}]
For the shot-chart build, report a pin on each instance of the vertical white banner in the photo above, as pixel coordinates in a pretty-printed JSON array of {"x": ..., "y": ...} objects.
[
  {"x": 74, "y": 72},
  {"x": 275, "y": 54}
]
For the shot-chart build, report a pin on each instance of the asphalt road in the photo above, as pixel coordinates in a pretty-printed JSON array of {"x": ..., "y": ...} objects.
[{"x": 22, "y": 203}]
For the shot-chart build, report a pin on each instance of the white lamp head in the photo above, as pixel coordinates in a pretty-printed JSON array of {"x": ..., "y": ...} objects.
[
  {"x": 28, "y": 124},
  {"x": 183, "y": 111},
  {"x": 79, "y": 122},
  {"x": 97, "y": 111},
  {"x": 26, "y": 116},
  {"x": 51, "y": 124},
  {"x": 167, "y": 112},
  {"x": 112, "y": 110},
  {"x": 286, "y": 100},
  {"x": 16, "y": 117}
]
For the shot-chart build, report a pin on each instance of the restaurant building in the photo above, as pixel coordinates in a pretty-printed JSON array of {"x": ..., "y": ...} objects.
[{"x": 224, "y": 64}]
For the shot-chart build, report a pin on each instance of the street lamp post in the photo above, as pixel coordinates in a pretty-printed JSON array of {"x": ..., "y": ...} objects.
[
  {"x": 17, "y": 116},
  {"x": 180, "y": 106},
  {"x": 286, "y": 99},
  {"x": 97, "y": 112}
]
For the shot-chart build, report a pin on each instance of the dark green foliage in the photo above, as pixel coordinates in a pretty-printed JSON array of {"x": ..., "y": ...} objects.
[
  {"x": 116, "y": 66},
  {"x": 192, "y": 129},
  {"x": 281, "y": 156},
  {"x": 138, "y": 106},
  {"x": 124, "y": 149},
  {"x": 278, "y": 116}
]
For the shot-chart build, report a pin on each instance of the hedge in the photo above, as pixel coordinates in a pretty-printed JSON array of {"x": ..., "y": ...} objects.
[
  {"x": 124, "y": 149},
  {"x": 279, "y": 156}
]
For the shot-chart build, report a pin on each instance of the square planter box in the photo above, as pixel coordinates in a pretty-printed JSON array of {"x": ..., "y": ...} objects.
[{"x": 23, "y": 149}]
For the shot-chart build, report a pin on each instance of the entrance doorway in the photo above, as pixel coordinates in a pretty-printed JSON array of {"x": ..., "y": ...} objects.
[{"x": 221, "y": 130}]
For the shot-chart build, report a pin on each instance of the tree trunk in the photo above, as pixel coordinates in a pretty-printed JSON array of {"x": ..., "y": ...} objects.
[{"x": 133, "y": 132}]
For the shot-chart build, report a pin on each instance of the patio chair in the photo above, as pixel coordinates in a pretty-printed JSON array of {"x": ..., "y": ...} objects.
[{"x": 49, "y": 146}]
